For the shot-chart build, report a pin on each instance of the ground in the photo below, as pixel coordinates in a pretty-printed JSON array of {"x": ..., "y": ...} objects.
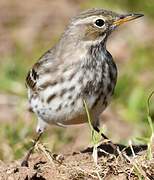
[{"x": 44, "y": 165}]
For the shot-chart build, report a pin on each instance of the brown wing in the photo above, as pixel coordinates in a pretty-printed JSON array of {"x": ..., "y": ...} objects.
[
  {"x": 47, "y": 64},
  {"x": 31, "y": 79},
  {"x": 40, "y": 66}
]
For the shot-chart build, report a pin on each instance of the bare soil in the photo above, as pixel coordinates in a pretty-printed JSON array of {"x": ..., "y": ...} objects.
[{"x": 44, "y": 165}]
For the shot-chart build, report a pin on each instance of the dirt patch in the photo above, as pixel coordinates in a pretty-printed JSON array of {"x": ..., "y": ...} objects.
[{"x": 80, "y": 165}]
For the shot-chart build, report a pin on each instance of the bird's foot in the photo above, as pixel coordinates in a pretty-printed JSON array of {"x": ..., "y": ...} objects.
[{"x": 24, "y": 163}]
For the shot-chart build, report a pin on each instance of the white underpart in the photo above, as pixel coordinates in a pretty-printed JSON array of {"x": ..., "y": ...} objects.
[
  {"x": 51, "y": 115},
  {"x": 97, "y": 41},
  {"x": 41, "y": 125}
]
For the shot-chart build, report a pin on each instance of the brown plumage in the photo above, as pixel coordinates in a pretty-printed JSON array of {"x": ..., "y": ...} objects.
[{"x": 77, "y": 68}]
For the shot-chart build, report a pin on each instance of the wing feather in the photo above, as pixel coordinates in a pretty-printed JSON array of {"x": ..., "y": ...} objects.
[
  {"x": 34, "y": 74},
  {"x": 31, "y": 79}
]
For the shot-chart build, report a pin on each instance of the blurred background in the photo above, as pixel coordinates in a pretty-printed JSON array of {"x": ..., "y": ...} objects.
[{"x": 28, "y": 29}]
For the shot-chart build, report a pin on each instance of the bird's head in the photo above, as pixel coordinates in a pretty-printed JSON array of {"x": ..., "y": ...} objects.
[{"x": 97, "y": 24}]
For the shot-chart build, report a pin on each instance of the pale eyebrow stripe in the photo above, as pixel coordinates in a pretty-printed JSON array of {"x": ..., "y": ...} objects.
[{"x": 87, "y": 20}]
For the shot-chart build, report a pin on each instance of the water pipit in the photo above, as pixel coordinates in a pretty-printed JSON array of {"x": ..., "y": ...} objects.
[{"x": 77, "y": 68}]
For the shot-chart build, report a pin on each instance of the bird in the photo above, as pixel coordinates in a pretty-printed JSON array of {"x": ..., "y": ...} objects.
[{"x": 77, "y": 68}]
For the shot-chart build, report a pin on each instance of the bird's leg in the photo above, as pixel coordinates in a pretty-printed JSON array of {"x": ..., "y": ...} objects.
[
  {"x": 41, "y": 125},
  {"x": 108, "y": 140},
  {"x": 98, "y": 130},
  {"x": 26, "y": 159}
]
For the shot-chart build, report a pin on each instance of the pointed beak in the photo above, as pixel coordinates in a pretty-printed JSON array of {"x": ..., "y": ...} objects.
[{"x": 125, "y": 18}]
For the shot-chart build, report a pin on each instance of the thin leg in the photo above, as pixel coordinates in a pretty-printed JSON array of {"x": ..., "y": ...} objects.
[
  {"x": 106, "y": 138},
  {"x": 25, "y": 161},
  {"x": 98, "y": 130}
]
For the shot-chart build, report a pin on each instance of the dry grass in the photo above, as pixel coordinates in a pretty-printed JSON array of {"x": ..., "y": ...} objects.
[{"x": 45, "y": 165}]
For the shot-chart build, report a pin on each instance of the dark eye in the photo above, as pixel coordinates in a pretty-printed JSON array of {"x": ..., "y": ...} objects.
[{"x": 99, "y": 22}]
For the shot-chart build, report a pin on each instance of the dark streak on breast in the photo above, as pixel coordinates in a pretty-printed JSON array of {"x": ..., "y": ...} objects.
[
  {"x": 51, "y": 97},
  {"x": 47, "y": 84}
]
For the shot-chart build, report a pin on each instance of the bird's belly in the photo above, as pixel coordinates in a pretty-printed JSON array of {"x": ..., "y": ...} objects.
[
  {"x": 61, "y": 110},
  {"x": 64, "y": 104}
]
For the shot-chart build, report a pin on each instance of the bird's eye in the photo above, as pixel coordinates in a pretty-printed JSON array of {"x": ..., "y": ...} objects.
[{"x": 99, "y": 22}]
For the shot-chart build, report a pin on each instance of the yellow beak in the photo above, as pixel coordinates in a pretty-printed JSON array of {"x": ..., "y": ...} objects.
[{"x": 125, "y": 18}]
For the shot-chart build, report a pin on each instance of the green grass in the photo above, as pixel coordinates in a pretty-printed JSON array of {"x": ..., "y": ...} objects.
[
  {"x": 95, "y": 136},
  {"x": 150, "y": 142}
]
